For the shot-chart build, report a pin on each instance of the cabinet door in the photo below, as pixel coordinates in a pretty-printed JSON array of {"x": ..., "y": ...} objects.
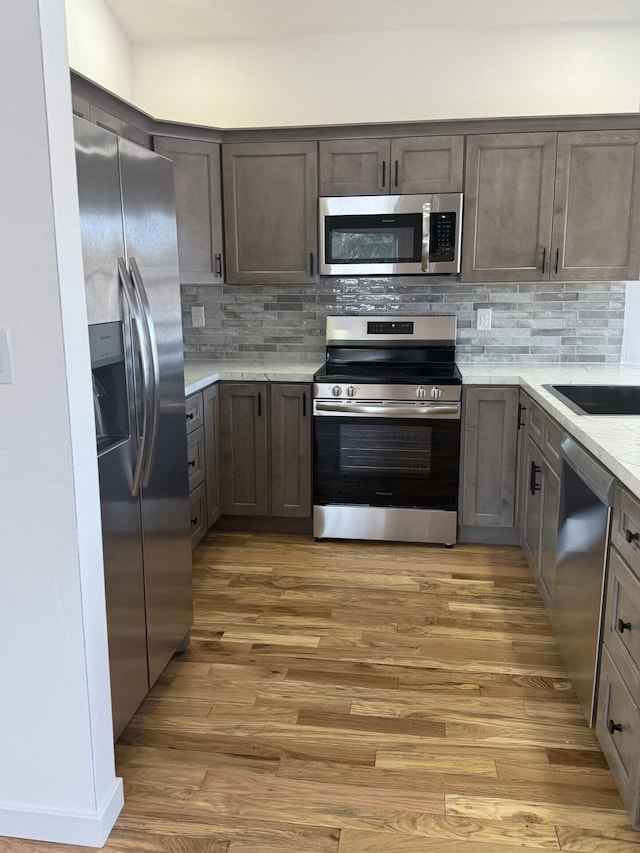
[
  {"x": 523, "y": 406},
  {"x": 290, "y": 410},
  {"x": 270, "y": 212},
  {"x": 354, "y": 167},
  {"x": 508, "y": 203},
  {"x": 196, "y": 175},
  {"x": 532, "y": 505},
  {"x": 489, "y": 456},
  {"x": 211, "y": 397},
  {"x": 243, "y": 448},
  {"x": 427, "y": 164},
  {"x": 596, "y": 226}
]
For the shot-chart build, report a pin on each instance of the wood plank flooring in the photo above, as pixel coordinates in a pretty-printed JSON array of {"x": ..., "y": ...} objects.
[{"x": 348, "y": 697}]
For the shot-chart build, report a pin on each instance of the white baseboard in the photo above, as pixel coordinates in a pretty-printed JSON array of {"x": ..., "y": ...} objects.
[{"x": 90, "y": 830}]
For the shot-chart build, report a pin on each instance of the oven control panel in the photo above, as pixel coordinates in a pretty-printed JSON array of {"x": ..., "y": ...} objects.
[{"x": 436, "y": 393}]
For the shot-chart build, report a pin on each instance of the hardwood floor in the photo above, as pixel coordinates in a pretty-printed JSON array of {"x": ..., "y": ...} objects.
[{"x": 348, "y": 697}]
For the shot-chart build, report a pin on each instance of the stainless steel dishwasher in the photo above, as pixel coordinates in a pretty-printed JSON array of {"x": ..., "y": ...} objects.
[{"x": 584, "y": 523}]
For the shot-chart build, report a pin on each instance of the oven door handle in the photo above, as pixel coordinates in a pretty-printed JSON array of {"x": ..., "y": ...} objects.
[{"x": 396, "y": 410}]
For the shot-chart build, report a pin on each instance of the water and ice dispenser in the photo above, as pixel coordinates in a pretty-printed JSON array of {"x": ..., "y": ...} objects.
[{"x": 109, "y": 375}]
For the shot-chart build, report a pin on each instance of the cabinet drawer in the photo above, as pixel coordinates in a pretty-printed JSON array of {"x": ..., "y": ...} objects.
[
  {"x": 195, "y": 412},
  {"x": 196, "y": 457},
  {"x": 620, "y": 746},
  {"x": 198, "y": 514},
  {"x": 551, "y": 437},
  {"x": 621, "y": 631},
  {"x": 625, "y": 532}
]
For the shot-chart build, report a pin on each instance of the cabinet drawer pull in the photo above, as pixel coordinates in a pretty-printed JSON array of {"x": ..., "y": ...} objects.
[
  {"x": 521, "y": 409},
  {"x": 613, "y": 727},
  {"x": 194, "y": 522},
  {"x": 631, "y": 537},
  {"x": 190, "y": 416},
  {"x": 533, "y": 486},
  {"x": 623, "y": 626},
  {"x": 192, "y": 463}
]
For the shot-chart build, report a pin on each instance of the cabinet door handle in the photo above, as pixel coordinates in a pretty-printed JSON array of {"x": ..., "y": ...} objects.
[
  {"x": 521, "y": 409},
  {"x": 310, "y": 263},
  {"x": 396, "y": 173},
  {"x": 192, "y": 463},
  {"x": 384, "y": 172},
  {"x": 544, "y": 257},
  {"x": 190, "y": 416},
  {"x": 533, "y": 486},
  {"x": 259, "y": 404},
  {"x": 623, "y": 626},
  {"x": 631, "y": 537},
  {"x": 557, "y": 260},
  {"x": 219, "y": 264},
  {"x": 304, "y": 405},
  {"x": 613, "y": 727},
  {"x": 194, "y": 522}
]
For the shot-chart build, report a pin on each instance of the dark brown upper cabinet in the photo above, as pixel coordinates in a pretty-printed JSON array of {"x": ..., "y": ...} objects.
[{"x": 415, "y": 164}]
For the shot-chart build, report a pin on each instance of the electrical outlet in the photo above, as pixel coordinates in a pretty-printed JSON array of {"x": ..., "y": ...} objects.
[
  {"x": 484, "y": 319},
  {"x": 197, "y": 316}
]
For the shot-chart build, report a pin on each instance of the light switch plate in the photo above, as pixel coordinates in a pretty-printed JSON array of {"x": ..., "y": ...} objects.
[{"x": 6, "y": 358}]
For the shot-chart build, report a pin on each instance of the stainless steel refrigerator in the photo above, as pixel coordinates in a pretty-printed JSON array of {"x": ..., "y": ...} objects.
[{"x": 127, "y": 215}]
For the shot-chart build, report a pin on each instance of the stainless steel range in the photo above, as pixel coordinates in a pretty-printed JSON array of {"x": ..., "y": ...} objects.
[{"x": 387, "y": 430}]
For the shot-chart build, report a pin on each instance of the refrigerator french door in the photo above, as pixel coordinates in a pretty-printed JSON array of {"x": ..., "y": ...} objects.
[{"x": 127, "y": 217}]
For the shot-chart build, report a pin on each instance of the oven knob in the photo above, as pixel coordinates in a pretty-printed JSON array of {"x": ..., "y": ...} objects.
[
  {"x": 436, "y": 392},
  {"x": 351, "y": 391},
  {"x": 421, "y": 392},
  {"x": 336, "y": 390}
]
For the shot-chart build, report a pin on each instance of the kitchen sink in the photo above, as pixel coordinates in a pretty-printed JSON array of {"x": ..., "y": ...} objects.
[{"x": 598, "y": 399}]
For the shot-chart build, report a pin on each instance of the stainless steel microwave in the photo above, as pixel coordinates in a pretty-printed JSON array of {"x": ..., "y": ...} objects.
[{"x": 390, "y": 234}]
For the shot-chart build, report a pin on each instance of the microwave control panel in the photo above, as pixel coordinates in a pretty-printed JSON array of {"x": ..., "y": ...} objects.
[{"x": 442, "y": 237}]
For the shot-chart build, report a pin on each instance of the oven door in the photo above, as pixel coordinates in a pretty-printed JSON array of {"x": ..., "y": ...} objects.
[{"x": 387, "y": 460}]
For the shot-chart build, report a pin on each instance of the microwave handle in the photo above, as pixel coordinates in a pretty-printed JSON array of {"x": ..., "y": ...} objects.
[{"x": 426, "y": 236}]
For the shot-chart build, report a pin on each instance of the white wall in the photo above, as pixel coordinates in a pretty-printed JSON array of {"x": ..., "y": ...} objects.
[
  {"x": 97, "y": 46},
  {"x": 57, "y": 776},
  {"x": 392, "y": 76},
  {"x": 631, "y": 338}
]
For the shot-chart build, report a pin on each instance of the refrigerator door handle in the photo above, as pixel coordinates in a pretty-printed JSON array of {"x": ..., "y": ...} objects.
[
  {"x": 135, "y": 310},
  {"x": 154, "y": 390}
]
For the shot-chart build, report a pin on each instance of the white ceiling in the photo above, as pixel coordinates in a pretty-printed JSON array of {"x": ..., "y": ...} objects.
[{"x": 209, "y": 20}]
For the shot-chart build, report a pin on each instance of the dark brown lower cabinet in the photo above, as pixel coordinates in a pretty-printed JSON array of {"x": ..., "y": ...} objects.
[
  {"x": 489, "y": 442},
  {"x": 211, "y": 416},
  {"x": 265, "y": 449}
]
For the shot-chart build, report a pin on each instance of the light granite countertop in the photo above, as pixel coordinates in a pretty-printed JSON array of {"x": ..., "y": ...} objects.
[
  {"x": 199, "y": 374},
  {"x": 614, "y": 440}
]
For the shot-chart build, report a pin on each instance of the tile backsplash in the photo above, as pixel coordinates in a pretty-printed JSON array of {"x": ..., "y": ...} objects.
[{"x": 547, "y": 322}]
